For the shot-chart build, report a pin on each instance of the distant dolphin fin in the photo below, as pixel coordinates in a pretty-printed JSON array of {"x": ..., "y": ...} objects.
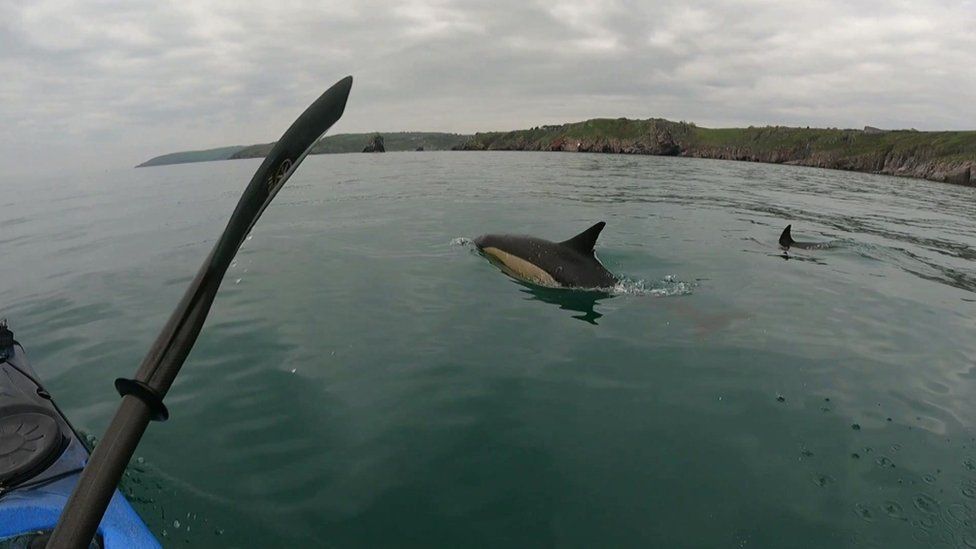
[
  {"x": 584, "y": 242},
  {"x": 786, "y": 239}
]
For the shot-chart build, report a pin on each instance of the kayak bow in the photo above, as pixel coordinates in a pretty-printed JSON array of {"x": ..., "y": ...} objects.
[{"x": 41, "y": 458}]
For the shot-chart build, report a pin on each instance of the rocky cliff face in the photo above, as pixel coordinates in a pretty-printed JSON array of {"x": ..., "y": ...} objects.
[
  {"x": 960, "y": 172},
  {"x": 925, "y": 156}
]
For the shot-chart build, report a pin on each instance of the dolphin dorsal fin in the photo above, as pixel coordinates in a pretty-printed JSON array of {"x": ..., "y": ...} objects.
[
  {"x": 584, "y": 242},
  {"x": 786, "y": 238}
]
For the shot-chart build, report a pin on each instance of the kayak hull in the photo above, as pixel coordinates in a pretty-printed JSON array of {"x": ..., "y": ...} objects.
[{"x": 41, "y": 458}]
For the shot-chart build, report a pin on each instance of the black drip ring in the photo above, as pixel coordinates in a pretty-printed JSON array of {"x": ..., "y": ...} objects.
[{"x": 145, "y": 393}]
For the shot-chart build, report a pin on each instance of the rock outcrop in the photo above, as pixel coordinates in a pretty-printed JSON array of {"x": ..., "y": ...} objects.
[{"x": 375, "y": 145}]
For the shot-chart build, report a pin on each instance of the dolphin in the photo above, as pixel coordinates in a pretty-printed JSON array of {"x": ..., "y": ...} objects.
[
  {"x": 786, "y": 242},
  {"x": 569, "y": 264}
]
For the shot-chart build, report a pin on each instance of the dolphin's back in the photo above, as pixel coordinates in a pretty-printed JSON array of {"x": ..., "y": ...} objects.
[{"x": 786, "y": 242}]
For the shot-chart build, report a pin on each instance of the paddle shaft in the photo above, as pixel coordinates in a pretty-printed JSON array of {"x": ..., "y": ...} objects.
[{"x": 102, "y": 474}]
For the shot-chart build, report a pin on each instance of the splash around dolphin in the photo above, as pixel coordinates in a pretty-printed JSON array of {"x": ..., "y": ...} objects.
[{"x": 567, "y": 264}]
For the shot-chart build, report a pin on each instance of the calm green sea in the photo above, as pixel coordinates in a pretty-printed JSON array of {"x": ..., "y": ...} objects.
[{"x": 366, "y": 379}]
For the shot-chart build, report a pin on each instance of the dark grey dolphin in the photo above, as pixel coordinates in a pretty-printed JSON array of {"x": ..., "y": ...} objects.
[
  {"x": 786, "y": 242},
  {"x": 570, "y": 263}
]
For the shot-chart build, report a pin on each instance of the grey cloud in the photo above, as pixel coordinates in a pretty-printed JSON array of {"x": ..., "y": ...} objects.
[{"x": 106, "y": 84}]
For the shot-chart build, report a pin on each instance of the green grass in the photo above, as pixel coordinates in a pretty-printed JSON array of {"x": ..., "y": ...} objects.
[{"x": 849, "y": 142}]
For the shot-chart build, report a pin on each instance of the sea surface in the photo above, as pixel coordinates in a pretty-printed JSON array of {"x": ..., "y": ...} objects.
[{"x": 366, "y": 379}]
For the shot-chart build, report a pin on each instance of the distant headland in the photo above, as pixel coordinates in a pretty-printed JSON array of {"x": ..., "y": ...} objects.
[
  {"x": 339, "y": 143},
  {"x": 948, "y": 156}
]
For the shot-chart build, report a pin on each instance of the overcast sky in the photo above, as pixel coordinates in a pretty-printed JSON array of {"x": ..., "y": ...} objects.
[{"x": 105, "y": 84}]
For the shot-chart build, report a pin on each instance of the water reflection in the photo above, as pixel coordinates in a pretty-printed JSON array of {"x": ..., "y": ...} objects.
[
  {"x": 568, "y": 299},
  {"x": 796, "y": 257},
  {"x": 579, "y": 301}
]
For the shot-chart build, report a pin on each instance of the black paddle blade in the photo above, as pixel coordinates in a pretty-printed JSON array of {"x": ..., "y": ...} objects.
[
  {"x": 289, "y": 152},
  {"x": 162, "y": 363}
]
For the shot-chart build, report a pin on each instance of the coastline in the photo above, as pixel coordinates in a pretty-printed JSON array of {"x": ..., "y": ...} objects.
[
  {"x": 329, "y": 144},
  {"x": 945, "y": 156},
  {"x": 948, "y": 157}
]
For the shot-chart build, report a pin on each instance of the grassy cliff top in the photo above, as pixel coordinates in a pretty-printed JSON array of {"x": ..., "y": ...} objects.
[{"x": 948, "y": 145}]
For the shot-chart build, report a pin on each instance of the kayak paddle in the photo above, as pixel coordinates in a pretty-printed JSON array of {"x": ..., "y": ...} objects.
[{"x": 142, "y": 396}]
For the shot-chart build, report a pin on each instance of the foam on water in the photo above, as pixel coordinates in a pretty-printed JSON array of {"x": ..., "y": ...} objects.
[{"x": 668, "y": 286}]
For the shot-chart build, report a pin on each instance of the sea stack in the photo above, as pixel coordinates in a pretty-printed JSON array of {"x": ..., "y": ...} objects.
[{"x": 375, "y": 145}]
